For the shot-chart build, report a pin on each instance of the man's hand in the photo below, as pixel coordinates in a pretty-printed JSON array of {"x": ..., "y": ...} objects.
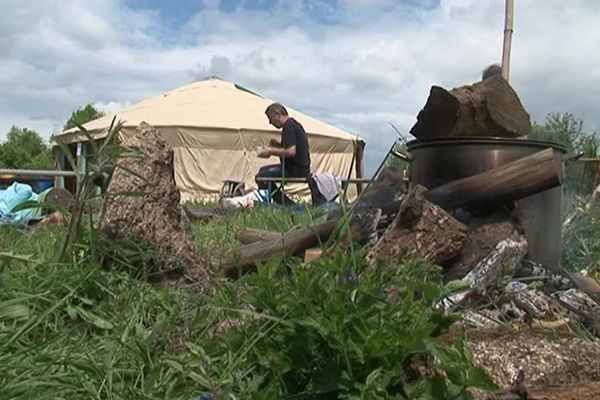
[{"x": 265, "y": 152}]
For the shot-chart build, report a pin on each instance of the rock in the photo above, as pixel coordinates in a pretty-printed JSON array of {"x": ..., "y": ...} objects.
[{"x": 155, "y": 216}]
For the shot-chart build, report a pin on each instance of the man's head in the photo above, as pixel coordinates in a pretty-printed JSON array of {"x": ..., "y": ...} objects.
[
  {"x": 277, "y": 115},
  {"x": 491, "y": 71}
]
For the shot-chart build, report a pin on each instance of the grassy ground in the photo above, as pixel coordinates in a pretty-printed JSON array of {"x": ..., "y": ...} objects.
[{"x": 79, "y": 330}]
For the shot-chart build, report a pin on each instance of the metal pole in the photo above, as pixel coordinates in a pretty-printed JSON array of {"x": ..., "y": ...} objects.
[
  {"x": 508, "y": 30},
  {"x": 33, "y": 172}
]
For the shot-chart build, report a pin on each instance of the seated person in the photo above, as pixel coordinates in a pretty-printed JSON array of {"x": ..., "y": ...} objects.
[
  {"x": 293, "y": 152},
  {"x": 51, "y": 202}
]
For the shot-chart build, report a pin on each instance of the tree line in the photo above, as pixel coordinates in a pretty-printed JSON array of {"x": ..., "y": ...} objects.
[{"x": 24, "y": 148}]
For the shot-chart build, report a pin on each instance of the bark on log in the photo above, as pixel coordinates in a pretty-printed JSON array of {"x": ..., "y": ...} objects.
[
  {"x": 157, "y": 216},
  {"x": 420, "y": 228},
  {"x": 487, "y": 108},
  {"x": 251, "y": 235},
  {"x": 512, "y": 181}
]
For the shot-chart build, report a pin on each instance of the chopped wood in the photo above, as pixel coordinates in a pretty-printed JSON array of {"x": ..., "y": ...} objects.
[
  {"x": 251, "y": 235},
  {"x": 515, "y": 180},
  {"x": 420, "y": 229},
  {"x": 361, "y": 230},
  {"x": 312, "y": 254},
  {"x": 486, "y": 108},
  {"x": 245, "y": 258}
]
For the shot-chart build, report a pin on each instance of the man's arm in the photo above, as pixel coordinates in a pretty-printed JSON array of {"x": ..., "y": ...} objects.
[
  {"x": 288, "y": 152},
  {"x": 288, "y": 143}
]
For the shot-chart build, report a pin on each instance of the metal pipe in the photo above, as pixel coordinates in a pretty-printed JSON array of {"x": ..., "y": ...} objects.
[{"x": 34, "y": 172}]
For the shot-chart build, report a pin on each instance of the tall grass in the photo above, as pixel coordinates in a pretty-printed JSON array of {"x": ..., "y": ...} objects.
[{"x": 77, "y": 330}]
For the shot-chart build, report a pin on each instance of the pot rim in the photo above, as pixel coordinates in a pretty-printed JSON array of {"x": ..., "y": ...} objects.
[{"x": 477, "y": 140}]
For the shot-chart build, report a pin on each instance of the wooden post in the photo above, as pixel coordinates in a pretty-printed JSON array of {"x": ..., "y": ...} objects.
[
  {"x": 508, "y": 30},
  {"x": 359, "y": 152},
  {"x": 59, "y": 181}
]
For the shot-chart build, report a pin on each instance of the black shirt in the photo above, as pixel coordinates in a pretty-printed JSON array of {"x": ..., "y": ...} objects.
[{"x": 293, "y": 134}]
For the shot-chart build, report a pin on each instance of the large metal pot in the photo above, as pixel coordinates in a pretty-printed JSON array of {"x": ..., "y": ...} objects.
[{"x": 434, "y": 162}]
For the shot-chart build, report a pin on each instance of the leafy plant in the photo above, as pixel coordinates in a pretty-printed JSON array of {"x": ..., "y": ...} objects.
[{"x": 326, "y": 331}]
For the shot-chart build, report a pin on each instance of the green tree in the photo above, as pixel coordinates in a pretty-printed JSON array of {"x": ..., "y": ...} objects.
[
  {"x": 25, "y": 149},
  {"x": 569, "y": 131},
  {"x": 82, "y": 115}
]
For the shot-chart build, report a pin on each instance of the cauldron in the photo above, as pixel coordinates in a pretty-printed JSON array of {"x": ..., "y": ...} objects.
[{"x": 434, "y": 162}]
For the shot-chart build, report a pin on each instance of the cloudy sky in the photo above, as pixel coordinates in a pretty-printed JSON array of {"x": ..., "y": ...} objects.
[{"x": 358, "y": 64}]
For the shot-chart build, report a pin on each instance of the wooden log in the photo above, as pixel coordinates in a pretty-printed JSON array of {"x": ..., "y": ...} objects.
[
  {"x": 486, "y": 108},
  {"x": 244, "y": 259},
  {"x": 420, "y": 228},
  {"x": 361, "y": 230},
  {"x": 515, "y": 180},
  {"x": 251, "y": 235}
]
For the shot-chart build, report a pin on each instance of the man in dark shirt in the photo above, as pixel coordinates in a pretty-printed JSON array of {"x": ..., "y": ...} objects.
[{"x": 293, "y": 152}]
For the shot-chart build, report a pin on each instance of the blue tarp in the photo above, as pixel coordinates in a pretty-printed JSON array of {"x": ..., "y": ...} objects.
[{"x": 14, "y": 195}]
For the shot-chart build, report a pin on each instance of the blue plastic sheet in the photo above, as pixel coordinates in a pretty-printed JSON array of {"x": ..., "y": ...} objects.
[{"x": 11, "y": 197}]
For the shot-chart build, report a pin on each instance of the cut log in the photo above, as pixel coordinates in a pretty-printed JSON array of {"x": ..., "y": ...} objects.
[
  {"x": 251, "y": 235},
  {"x": 244, "y": 259},
  {"x": 515, "y": 180},
  {"x": 420, "y": 229},
  {"x": 487, "y": 108},
  {"x": 361, "y": 230},
  {"x": 312, "y": 254}
]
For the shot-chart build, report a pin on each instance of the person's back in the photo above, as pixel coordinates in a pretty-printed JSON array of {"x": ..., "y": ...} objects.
[{"x": 293, "y": 134}]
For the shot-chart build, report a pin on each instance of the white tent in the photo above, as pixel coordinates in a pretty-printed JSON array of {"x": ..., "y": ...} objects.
[{"x": 214, "y": 127}]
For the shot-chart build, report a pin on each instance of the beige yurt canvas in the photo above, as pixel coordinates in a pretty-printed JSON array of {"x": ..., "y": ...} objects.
[{"x": 214, "y": 127}]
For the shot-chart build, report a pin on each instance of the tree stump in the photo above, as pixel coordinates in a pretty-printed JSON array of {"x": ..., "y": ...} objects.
[
  {"x": 154, "y": 215},
  {"x": 486, "y": 108},
  {"x": 422, "y": 229}
]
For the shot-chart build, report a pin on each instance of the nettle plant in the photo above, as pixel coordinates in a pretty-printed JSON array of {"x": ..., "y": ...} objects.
[{"x": 329, "y": 331}]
